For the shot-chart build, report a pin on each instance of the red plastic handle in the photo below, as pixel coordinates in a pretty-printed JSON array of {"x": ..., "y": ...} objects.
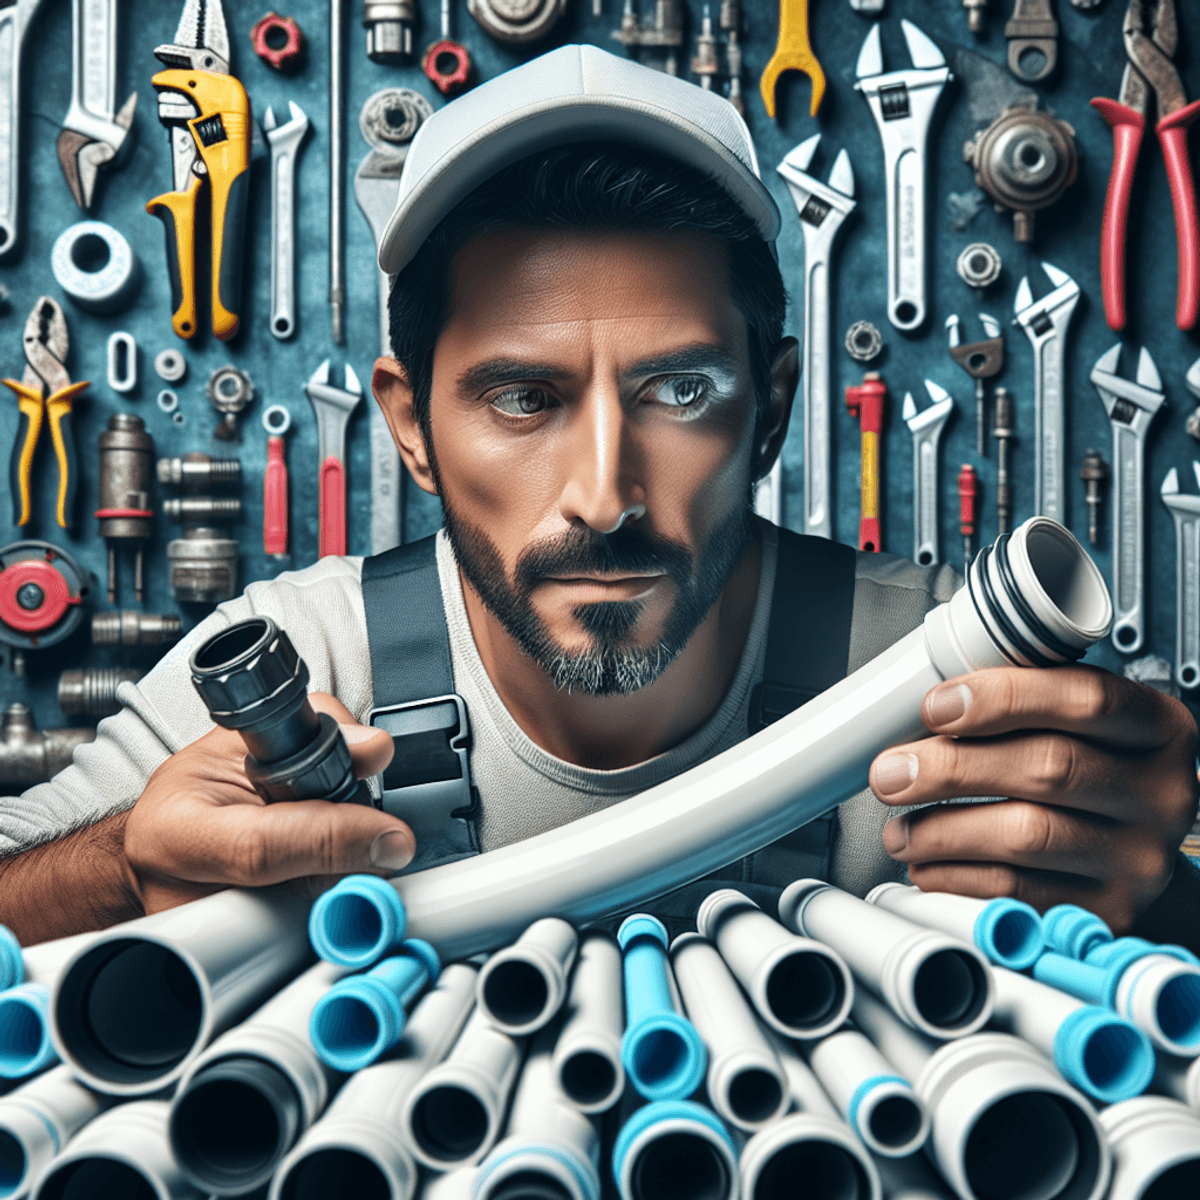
[
  {"x": 1172, "y": 136},
  {"x": 1128, "y": 127},
  {"x": 967, "y": 485},
  {"x": 333, "y": 507},
  {"x": 275, "y": 500}
]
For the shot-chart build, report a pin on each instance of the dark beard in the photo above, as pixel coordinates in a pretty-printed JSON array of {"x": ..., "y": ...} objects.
[{"x": 610, "y": 666}]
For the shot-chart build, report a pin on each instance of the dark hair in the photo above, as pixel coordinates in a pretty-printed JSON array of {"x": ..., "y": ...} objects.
[{"x": 597, "y": 186}]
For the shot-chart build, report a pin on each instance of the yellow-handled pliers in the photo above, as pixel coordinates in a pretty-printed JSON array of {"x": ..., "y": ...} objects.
[{"x": 45, "y": 393}]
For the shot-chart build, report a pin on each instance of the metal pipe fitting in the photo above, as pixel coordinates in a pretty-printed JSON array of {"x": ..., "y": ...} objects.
[
  {"x": 29, "y": 755},
  {"x": 126, "y": 468},
  {"x": 129, "y": 627},
  {"x": 389, "y": 25},
  {"x": 93, "y": 692},
  {"x": 203, "y": 566},
  {"x": 522, "y": 986},
  {"x": 197, "y": 472},
  {"x": 203, "y": 510}
]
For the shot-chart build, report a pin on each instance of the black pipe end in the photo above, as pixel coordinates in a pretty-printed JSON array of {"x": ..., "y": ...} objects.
[{"x": 335, "y": 1175}]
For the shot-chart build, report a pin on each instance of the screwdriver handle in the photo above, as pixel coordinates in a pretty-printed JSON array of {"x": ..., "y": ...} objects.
[
  {"x": 1128, "y": 127},
  {"x": 20, "y": 466},
  {"x": 332, "y": 515},
  {"x": 967, "y": 491},
  {"x": 275, "y": 500},
  {"x": 865, "y": 402}
]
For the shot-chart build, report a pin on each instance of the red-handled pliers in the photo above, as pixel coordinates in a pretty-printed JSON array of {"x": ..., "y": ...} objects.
[{"x": 1151, "y": 33}]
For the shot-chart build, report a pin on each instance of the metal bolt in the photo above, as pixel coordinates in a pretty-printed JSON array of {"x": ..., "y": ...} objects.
[{"x": 1094, "y": 472}]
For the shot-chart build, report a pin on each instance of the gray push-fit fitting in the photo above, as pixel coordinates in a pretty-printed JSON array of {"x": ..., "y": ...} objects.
[
  {"x": 746, "y": 1084},
  {"x": 587, "y": 1055},
  {"x": 800, "y": 987},
  {"x": 134, "y": 1007},
  {"x": 939, "y": 984},
  {"x": 522, "y": 986},
  {"x": 1156, "y": 1149},
  {"x": 357, "y": 1143}
]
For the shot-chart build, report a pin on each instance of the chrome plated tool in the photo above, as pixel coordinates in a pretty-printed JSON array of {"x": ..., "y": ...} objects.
[
  {"x": 14, "y": 25},
  {"x": 284, "y": 141},
  {"x": 1004, "y": 431},
  {"x": 1186, "y": 511},
  {"x": 332, "y": 407},
  {"x": 926, "y": 429},
  {"x": 981, "y": 360}
]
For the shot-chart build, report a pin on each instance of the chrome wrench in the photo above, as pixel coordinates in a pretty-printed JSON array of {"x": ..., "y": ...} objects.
[
  {"x": 388, "y": 120},
  {"x": 1131, "y": 408},
  {"x": 1186, "y": 511},
  {"x": 14, "y": 24},
  {"x": 1045, "y": 322},
  {"x": 332, "y": 407},
  {"x": 903, "y": 103},
  {"x": 926, "y": 429},
  {"x": 822, "y": 207},
  {"x": 284, "y": 141}
]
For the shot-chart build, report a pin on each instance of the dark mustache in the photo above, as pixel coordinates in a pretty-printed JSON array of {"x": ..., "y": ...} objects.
[{"x": 584, "y": 551}]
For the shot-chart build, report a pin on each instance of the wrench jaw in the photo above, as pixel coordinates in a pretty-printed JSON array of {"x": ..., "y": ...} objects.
[
  {"x": 87, "y": 143},
  {"x": 926, "y": 429},
  {"x": 1185, "y": 510}
]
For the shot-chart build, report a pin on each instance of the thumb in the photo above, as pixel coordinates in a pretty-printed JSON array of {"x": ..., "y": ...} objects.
[{"x": 370, "y": 748}]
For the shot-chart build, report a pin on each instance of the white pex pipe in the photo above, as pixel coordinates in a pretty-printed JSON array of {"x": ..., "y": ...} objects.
[
  {"x": 800, "y": 987},
  {"x": 911, "y": 1178},
  {"x": 1179, "y": 1077},
  {"x": 1005, "y": 1126},
  {"x": 935, "y": 982},
  {"x": 454, "y": 1115},
  {"x": 1008, "y": 931},
  {"x": 1156, "y": 1149},
  {"x": 522, "y": 986},
  {"x": 135, "y": 1006},
  {"x": 587, "y": 1055},
  {"x": 746, "y": 1084},
  {"x": 1034, "y": 599},
  {"x": 675, "y": 1150},
  {"x": 247, "y": 1099}
]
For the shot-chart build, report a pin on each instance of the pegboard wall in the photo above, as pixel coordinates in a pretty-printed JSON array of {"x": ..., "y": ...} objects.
[{"x": 1091, "y": 59}]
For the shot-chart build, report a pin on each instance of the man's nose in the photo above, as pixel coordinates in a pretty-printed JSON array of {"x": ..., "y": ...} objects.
[{"x": 602, "y": 485}]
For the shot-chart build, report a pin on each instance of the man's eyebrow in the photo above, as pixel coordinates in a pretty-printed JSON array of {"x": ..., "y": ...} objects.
[
  {"x": 498, "y": 371},
  {"x": 690, "y": 358}
]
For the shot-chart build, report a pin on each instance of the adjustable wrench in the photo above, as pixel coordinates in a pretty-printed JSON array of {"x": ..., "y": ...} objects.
[
  {"x": 14, "y": 23},
  {"x": 332, "y": 407},
  {"x": 388, "y": 120},
  {"x": 926, "y": 429},
  {"x": 1131, "y": 408},
  {"x": 981, "y": 360},
  {"x": 1186, "y": 511},
  {"x": 1045, "y": 321},
  {"x": 284, "y": 141},
  {"x": 822, "y": 208},
  {"x": 902, "y": 103},
  {"x": 92, "y": 136}
]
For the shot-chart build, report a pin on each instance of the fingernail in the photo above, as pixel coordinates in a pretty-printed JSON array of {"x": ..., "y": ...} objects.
[
  {"x": 948, "y": 703},
  {"x": 391, "y": 850},
  {"x": 895, "y": 835},
  {"x": 357, "y": 733},
  {"x": 894, "y": 772}
]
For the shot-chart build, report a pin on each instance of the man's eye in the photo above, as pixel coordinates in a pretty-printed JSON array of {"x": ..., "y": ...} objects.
[
  {"x": 521, "y": 402},
  {"x": 683, "y": 391}
]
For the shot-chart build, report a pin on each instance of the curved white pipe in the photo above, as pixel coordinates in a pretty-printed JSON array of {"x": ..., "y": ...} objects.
[
  {"x": 522, "y": 986},
  {"x": 1037, "y": 598},
  {"x": 1155, "y": 1141},
  {"x": 587, "y": 1055}
]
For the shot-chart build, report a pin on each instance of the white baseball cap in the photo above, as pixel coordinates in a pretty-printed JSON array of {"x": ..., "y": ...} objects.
[{"x": 573, "y": 94}]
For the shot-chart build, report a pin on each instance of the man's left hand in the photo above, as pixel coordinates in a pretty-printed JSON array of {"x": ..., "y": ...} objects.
[{"x": 1099, "y": 774}]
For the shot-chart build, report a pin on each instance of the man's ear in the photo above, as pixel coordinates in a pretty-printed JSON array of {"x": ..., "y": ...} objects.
[
  {"x": 772, "y": 430},
  {"x": 394, "y": 395}
]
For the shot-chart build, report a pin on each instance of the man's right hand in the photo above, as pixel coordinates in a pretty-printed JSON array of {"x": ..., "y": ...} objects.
[{"x": 199, "y": 826}]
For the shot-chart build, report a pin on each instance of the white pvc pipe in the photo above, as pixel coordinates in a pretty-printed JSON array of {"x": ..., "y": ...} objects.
[
  {"x": 119, "y": 1155},
  {"x": 937, "y": 983},
  {"x": 454, "y": 1115},
  {"x": 247, "y": 1099},
  {"x": 454, "y": 1185},
  {"x": 587, "y": 1055},
  {"x": 356, "y": 1143},
  {"x": 911, "y": 1178},
  {"x": 1008, "y": 931},
  {"x": 134, "y": 1008},
  {"x": 1156, "y": 1149},
  {"x": 1161, "y": 996},
  {"x": 1179, "y": 1077},
  {"x": 674, "y": 1150},
  {"x": 746, "y": 1084},
  {"x": 1039, "y": 591},
  {"x": 800, "y": 987},
  {"x": 522, "y": 986}
]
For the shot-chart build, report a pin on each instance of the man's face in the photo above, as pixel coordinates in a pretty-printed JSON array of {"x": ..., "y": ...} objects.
[{"x": 591, "y": 421}]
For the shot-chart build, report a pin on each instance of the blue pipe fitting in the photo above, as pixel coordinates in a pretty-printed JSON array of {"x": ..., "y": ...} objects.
[
  {"x": 1073, "y": 931},
  {"x": 362, "y": 1017},
  {"x": 1126, "y": 950},
  {"x": 1104, "y": 1056},
  {"x": 25, "y": 1046},
  {"x": 666, "y": 1110},
  {"x": 663, "y": 1054},
  {"x": 1083, "y": 980},
  {"x": 357, "y": 922},
  {"x": 1010, "y": 933},
  {"x": 12, "y": 961}
]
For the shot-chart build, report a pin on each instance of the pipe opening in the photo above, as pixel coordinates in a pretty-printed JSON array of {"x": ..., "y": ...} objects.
[
  {"x": 754, "y": 1095},
  {"x": 1033, "y": 1146},
  {"x": 1178, "y": 1010},
  {"x": 226, "y": 648},
  {"x": 660, "y": 1058},
  {"x": 805, "y": 990},
  {"x": 528, "y": 1185},
  {"x": 950, "y": 989},
  {"x": 12, "y": 1163},
  {"x": 449, "y": 1123},
  {"x": 129, "y": 1011},
  {"x": 1015, "y": 935},
  {"x": 335, "y": 1175},
  {"x": 829, "y": 1172},
  {"x": 344, "y": 1025},
  {"x": 587, "y": 1077},
  {"x": 352, "y": 926},
  {"x": 1056, "y": 561},
  {"x": 515, "y": 992},
  {"x": 92, "y": 1177},
  {"x": 23, "y": 1036},
  {"x": 894, "y": 1121},
  {"x": 1180, "y": 1182},
  {"x": 1113, "y": 1059},
  {"x": 679, "y": 1166}
]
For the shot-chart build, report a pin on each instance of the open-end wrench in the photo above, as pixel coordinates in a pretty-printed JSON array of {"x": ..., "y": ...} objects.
[
  {"x": 822, "y": 208},
  {"x": 793, "y": 52},
  {"x": 1045, "y": 321},
  {"x": 1186, "y": 511},
  {"x": 284, "y": 141},
  {"x": 332, "y": 407},
  {"x": 1131, "y": 408},
  {"x": 14, "y": 24},
  {"x": 981, "y": 360},
  {"x": 92, "y": 134},
  {"x": 902, "y": 103},
  {"x": 388, "y": 120},
  {"x": 926, "y": 429}
]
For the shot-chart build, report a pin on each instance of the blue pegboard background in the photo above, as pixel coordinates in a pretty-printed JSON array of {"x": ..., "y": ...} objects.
[{"x": 1091, "y": 61}]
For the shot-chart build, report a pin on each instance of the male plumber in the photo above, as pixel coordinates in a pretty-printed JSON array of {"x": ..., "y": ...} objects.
[{"x": 589, "y": 371}]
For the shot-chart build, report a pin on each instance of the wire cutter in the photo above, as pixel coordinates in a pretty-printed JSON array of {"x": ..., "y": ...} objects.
[
  {"x": 1151, "y": 33},
  {"x": 207, "y": 113},
  {"x": 46, "y": 346}
]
